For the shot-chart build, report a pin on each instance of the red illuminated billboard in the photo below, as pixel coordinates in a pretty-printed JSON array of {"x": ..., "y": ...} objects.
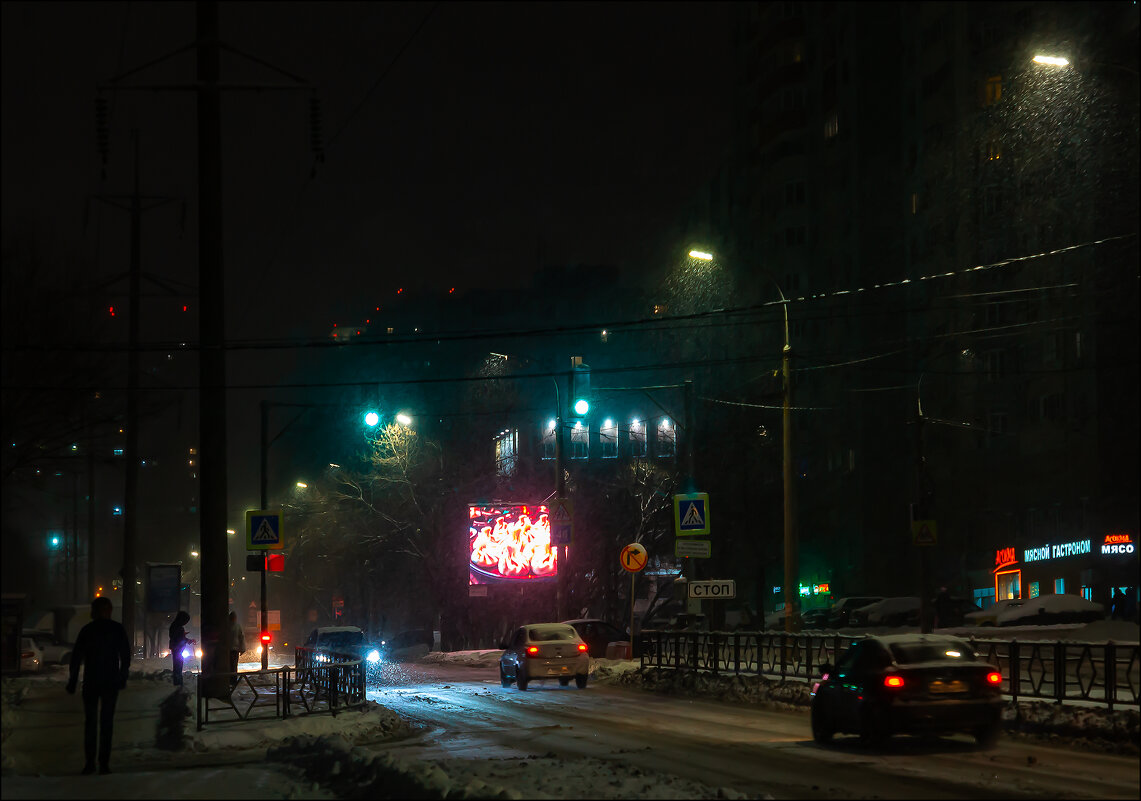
[{"x": 509, "y": 543}]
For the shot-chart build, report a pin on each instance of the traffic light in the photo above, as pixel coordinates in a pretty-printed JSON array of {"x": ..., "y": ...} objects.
[
  {"x": 580, "y": 390},
  {"x": 265, "y": 638},
  {"x": 371, "y": 419}
]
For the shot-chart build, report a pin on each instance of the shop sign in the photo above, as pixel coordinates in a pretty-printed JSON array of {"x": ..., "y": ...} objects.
[
  {"x": 820, "y": 589},
  {"x": 1056, "y": 551},
  {"x": 1004, "y": 557},
  {"x": 1118, "y": 544}
]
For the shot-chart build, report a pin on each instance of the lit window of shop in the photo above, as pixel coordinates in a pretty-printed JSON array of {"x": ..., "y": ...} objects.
[
  {"x": 549, "y": 440},
  {"x": 666, "y": 438},
  {"x": 637, "y": 439},
  {"x": 580, "y": 439},
  {"x": 608, "y": 439},
  {"x": 1007, "y": 584},
  {"x": 1059, "y": 586}
]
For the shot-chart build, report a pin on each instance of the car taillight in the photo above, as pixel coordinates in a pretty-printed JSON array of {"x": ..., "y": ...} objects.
[
  {"x": 582, "y": 646},
  {"x": 533, "y": 650},
  {"x": 994, "y": 678},
  {"x": 894, "y": 682}
]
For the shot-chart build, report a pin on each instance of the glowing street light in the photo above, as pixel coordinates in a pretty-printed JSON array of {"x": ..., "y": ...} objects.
[
  {"x": 403, "y": 419},
  {"x": 701, "y": 254},
  {"x": 1051, "y": 61},
  {"x": 371, "y": 419},
  {"x": 302, "y": 485}
]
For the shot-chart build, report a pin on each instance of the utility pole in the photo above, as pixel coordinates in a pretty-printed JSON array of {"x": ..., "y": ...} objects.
[
  {"x": 560, "y": 493},
  {"x": 689, "y": 484},
  {"x": 791, "y": 579}
]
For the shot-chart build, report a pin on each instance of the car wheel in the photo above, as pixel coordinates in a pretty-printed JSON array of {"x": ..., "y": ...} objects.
[
  {"x": 987, "y": 736},
  {"x": 564, "y": 681},
  {"x": 821, "y": 732},
  {"x": 875, "y": 731},
  {"x": 521, "y": 678},
  {"x": 506, "y": 682},
  {"x": 580, "y": 681}
]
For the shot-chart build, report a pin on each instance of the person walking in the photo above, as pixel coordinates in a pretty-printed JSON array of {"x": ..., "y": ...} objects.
[
  {"x": 178, "y": 641},
  {"x": 105, "y": 653},
  {"x": 237, "y": 647}
]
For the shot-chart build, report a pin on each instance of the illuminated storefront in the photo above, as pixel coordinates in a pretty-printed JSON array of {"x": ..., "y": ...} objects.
[{"x": 1091, "y": 567}]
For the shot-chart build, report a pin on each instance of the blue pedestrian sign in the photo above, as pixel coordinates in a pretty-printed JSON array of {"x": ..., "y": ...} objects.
[
  {"x": 691, "y": 514},
  {"x": 263, "y": 530}
]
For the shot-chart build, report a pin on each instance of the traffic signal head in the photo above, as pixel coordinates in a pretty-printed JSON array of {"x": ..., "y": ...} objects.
[
  {"x": 265, "y": 637},
  {"x": 580, "y": 390},
  {"x": 371, "y": 419}
]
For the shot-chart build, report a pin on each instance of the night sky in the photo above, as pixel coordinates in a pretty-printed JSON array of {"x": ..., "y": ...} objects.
[{"x": 502, "y": 131}]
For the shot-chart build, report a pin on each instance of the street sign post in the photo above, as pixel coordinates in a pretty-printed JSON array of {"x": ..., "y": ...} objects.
[
  {"x": 562, "y": 521},
  {"x": 699, "y": 549},
  {"x": 633, "y": 560},
  {"x": 691, "y": 514}
]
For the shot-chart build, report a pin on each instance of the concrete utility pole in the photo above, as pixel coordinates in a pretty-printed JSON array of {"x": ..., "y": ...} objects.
[
  {"x": 560, "y": 493},
  {"x": 791, "y": 579}
]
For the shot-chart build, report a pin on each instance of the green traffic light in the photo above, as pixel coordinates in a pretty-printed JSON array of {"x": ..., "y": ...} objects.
[
  {"x": 371, "y": 419},
  {"x": 581, "y": 406}
]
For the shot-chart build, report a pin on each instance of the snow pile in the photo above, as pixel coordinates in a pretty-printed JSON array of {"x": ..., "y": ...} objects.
[
  {"x": 738, "y": 689},
  {"x": 357, "y": 773},
  {"x": 485, "y": 658}
]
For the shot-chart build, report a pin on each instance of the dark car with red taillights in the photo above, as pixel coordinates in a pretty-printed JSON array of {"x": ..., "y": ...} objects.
[{"x": 908, "y": 684}]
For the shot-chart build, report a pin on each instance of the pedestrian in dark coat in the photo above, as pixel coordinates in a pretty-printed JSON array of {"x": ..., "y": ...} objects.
[
  {"x": 237, "y": 646},
  {"x": 944, "y": 609},
  {"x": 105, "y": 653},
  {"x": 178, "y": 641}
]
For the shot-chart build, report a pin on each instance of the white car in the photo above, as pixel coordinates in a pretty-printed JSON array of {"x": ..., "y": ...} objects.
[
  {"x": 989, "y": 617},
  {"x": 1048, "y": 610},
  {"x": 31, "y": 657},
  {"x": 54, "y": 651},
  {"x": 899, "y": 611},
  {"x": 541, "y": 651}
]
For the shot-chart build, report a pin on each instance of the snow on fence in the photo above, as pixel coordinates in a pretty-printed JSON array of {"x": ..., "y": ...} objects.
[
  {"x": 1105, "y": 673},
  {"x": 308, "y": 686}
]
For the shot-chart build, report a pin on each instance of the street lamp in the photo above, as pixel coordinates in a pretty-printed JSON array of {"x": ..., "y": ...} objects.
[
  {"x": 1051, "y": 61},
  {"x": 403, "y": 419},
  {"x": 791, "y": 580}
]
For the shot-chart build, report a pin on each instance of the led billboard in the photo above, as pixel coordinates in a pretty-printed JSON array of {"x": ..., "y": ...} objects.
[{"x": 509, "y": 543}]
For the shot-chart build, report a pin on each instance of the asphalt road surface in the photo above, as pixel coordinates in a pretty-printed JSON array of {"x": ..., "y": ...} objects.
[{"x": 755, "y": 751}]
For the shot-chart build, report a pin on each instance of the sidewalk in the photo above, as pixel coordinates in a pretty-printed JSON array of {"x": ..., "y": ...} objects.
[{"x": 42, "y": 753}]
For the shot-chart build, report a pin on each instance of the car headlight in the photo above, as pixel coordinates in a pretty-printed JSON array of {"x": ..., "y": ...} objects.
[
  {"x": 185, "y": 653},
  {"x": 373, "y": 656}
]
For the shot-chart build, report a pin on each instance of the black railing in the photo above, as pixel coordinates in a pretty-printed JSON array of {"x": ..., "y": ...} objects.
[
  {"x": 1105, "y": 673},
  {"x": 308, "y": 686}
]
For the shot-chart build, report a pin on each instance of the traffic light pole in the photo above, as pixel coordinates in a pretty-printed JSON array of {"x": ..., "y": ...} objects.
[
  {"x": 791, "y": 579},
  {"x": 560, "y": 493}
]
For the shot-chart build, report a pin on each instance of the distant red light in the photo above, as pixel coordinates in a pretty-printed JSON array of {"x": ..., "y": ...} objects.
[
  {"x": 111, "y": 310},
  {"x": 450, "y": 291},
  {"x": 185, "y": 307},
  {"x": 894, "y": 682},
  {"x": 399, "y": 290}
]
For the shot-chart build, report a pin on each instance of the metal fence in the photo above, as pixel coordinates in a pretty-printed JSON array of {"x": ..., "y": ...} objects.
[
  {"x": 306, "y": 687},
  {"x": 1104, "y": 673}
]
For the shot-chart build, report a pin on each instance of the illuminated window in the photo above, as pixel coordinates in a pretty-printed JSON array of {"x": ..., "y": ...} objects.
[
  {"x": 608, "y": 439},
  {"x": 637, "y": 439},
  {"x": 992, "y": 90},
  {"x": 548, "y": 437},
  {"x": 580, "y": 441},
  {"x": 1059, "y": 586},
  {"x": 660, "y": 308},
  {"x": 666, "y": 442},
  {"x": 507, "y": 452}
]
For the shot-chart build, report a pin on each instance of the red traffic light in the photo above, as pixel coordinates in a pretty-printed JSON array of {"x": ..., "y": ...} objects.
[{"x": 265, "y": 637}]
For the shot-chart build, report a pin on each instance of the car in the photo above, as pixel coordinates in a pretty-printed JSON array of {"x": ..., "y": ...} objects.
[
  {"x": 31, "y": 656},
  {"x": 54, "y": 651},
  {"x": 1047, "y": 610},
  {"x": 329, "y": 643},
  {"x": 816, "y": 618},
  {"x": 774, "y": 621},
  {"x": 897, "y": 611},
  {"x": 989, "y": 617},
  {"x": 541, "y": 651},
  {"x": 842, "y": 609},
  {"x": 597, "y": 634},
  {"x": 908, "y": 684}
]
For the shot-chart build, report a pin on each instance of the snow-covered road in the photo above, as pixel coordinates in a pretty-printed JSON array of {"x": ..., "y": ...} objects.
[{"x": 504, "y": 737}]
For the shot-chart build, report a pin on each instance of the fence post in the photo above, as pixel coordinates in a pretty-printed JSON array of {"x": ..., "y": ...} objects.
[
  {"x": 1015, "y": 671},
  {"x": 1059, "y": 672},
  {"x": 808, "y": 658},
  {"x": 737, "y": 652},
  {"x": 783, "y": 642},
  {"x": 285, "y": 691},
  {"x": 715, "y": 649},
  {"x": 1109, "y": 665}
]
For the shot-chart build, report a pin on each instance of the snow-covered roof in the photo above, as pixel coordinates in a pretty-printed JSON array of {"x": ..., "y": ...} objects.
[{"x": 337, "y": 629}]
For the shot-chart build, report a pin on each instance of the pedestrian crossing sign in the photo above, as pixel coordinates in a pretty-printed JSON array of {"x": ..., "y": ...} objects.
[
  {"x": 691, "y": 514},
  {"x": 263, "y": 530}
]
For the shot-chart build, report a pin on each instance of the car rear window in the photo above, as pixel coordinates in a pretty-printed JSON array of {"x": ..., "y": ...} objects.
[
  {"x": 341, "y": 639},
  {"x": 912, "y": 652},
  {"x": 553, "y": 634}
]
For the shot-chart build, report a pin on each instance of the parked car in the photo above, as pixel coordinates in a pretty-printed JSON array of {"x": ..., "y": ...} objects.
[
  {"x": 54, "y": 651},
  {"x": 897, "y": 611},
  {"x": 908, "y": 683},
  {"x": 989, "y": 617},
  {"x": 31, "y": 657},
  {"x": 774, "y": 621},
  {"x": 597, "y": 634},
  {"x": 842, "y": 609},
  {"x": 541, "y": 651},
  {"x": 816, "y": 618},
  {"x": 329, "y": 643},
  {"x": 1051, "y": 609}
]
